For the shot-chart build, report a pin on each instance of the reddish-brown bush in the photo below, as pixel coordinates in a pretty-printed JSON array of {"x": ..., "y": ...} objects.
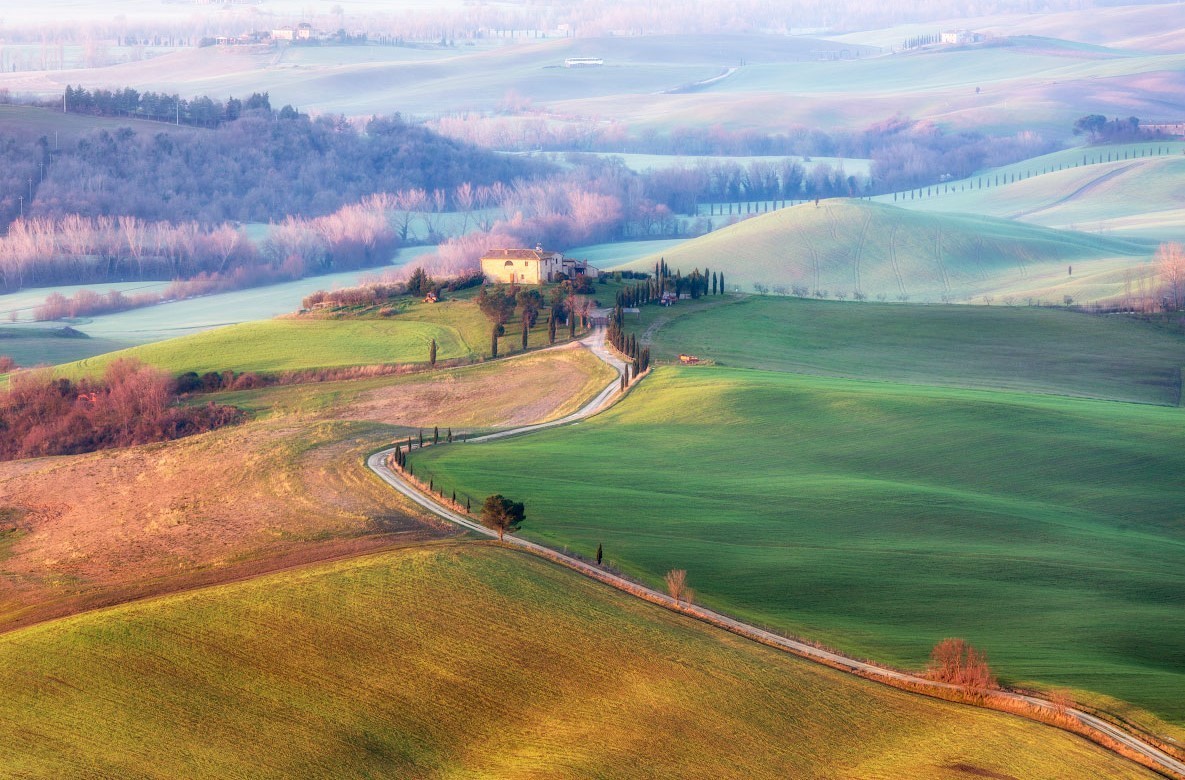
[
  {"x": 957, "y": 662},
  {"x": 132, "y": 404}
]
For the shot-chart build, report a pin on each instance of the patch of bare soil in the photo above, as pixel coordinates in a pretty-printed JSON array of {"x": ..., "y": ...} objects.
[
  {"x": 530, "y": 389},
  {"x": 105, "y": 526}
]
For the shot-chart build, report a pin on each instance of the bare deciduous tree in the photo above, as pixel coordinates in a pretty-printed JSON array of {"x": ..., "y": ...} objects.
[
  {"x": 1170, "y": 266},
  {"x": 676, "y": 580}
]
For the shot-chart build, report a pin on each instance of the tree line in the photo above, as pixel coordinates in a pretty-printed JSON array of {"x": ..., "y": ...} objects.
[{"x": 263, "y": 166}]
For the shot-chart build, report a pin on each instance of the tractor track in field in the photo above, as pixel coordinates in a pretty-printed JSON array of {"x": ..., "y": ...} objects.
[
  {"x": 1086, "y": 724},
  {"x": 1085, "y": 188}
]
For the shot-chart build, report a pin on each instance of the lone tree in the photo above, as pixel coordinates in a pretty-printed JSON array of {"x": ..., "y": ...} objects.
[
  {"x": 600, "y": 554},
  {"x": 502, "y": 514},
  {"x": 432, "y": 354},
  {"x": 676, "y": 580}
]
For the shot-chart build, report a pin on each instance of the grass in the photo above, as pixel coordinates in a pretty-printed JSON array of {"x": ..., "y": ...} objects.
[
  {"x": 849, "y": 246},
  {"x": 106, "y": 526},
  {"x": 67, "y": 127},
  {"x": 1016, "y": 348},
  {"x": 291, "y": 344},
  {"x": 529, "y": 388},
  {"x": 49, "y": 346},
  {"x": 1131, "y": 197},
  {"x": 468, "y": 661},
  {"x": 881, "y": 518}
]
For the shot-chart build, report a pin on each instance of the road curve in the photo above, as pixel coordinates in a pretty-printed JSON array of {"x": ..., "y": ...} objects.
[{"x": 1159, "y": 759}]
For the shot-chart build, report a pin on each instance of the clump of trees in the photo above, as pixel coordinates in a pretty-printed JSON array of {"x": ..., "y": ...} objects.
[
  {"x": 132, "y": 404},
  {"x": 955, "y": 661},
  {"x": 502, "y": 514},
  {"x": 1100, "y": 130}
]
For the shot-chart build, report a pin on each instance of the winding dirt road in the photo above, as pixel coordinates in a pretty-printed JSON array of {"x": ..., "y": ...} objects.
[{"x": 1094, "y": 726}]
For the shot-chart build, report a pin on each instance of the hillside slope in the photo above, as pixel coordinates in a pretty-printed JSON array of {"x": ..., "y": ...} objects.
[
  {"x": 845, "y": 246},
  {"x": 469, "y": 661}
]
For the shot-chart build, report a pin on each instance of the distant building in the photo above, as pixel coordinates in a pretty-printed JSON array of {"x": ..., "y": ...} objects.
[
  {"x": 301, "y": 32},
  {"x": 959, "y": 37},
  {"x": 531, "y": 266}
]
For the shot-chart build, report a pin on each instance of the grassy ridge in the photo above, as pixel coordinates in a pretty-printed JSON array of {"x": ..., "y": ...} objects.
[
  {"x": 882, "y": 518},
  {"x": 1014, "y": 348},
  {"x": 849, "y": 246},
  {"x": 1138, "y": 197},
  {"x": 468, "y": 661},
  {"x": 293, "y": 344}
]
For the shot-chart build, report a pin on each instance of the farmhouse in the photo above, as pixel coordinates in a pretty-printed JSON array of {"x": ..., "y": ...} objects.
[
  {"x": 960, "y": 37},
  {"x": 531, "y": 266}
]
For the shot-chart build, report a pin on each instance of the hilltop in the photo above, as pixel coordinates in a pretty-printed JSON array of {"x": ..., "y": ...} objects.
[{"x": 844, "y": 246}]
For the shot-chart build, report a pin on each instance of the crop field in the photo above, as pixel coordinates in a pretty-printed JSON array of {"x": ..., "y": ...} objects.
[
  {"x": 844, "y": 246},
  {"x": 106, "y": 526},
  {"x": 291, "y": 344},
  {"x": 468, "y": 660},
  {"x": 50, "y": 345},
  {"x": 1140, "y": 198},
  {"x": 992, "y": 347},
  {"x": 881, "y": 518},
  {"x": 529, "y": 388}
]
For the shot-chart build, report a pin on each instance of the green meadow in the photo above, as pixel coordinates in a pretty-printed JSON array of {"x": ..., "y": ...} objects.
[
  {"x": 1124, "y": 196},
  {"x": 469, "y": 661},
  {"x": 295, "y": 343},
  {"x": 849, "y": 246},
  {"x": 1042, "y": 350},
  {"x": 881, "y": 518}
]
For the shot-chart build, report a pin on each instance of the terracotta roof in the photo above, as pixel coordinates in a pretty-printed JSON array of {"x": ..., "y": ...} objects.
[{"x": 515, "y": 254}]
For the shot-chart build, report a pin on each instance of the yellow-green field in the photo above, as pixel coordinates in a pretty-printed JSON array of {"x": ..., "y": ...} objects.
[
  {"x": 468, "y": 661},
  {"x": 295, "y": 343}
]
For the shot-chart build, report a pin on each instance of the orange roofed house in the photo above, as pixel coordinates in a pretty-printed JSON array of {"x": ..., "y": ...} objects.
[{"x": 531, "y": 266}]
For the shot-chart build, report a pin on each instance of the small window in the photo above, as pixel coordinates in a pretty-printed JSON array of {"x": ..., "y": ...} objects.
[{"x": 509, "y": 263}]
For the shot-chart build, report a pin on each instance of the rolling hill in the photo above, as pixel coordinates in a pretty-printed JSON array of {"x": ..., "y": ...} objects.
[
  {"x": 466, "y": 660},
  {"x": 844, "y": 246},
  {"x": 881, "y": 518},
  {"x": 1039, "y": 350},
  {"x": 1127, "y": 196}
]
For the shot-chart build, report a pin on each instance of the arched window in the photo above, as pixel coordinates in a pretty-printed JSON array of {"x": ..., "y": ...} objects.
[{"x": 509, "y": 263}]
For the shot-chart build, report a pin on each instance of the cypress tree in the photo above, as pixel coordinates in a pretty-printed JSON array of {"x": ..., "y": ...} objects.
[
  {"x": 722, "y": 283},
  {"x": 450, "y": 435},
  {"x": 430, "y": 488},
  {"x": 436, "y": 434},
  {"x": 571, "y": 324},
  {"x": 599, "y": 554},
  {"x": 526, "y": 331},
  {"x": 454, "y": 496},
  {"x": 468, "y": 505},
  {"x": 494, "y": 341},
  {"x": 432, "y": 354},
  {"x": 421, "y": 437},
  {"x": 551, "y": 328}
]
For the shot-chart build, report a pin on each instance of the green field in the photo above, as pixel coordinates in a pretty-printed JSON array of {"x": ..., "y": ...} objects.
[
  {"x": 468, "y": 661},
  {"x": 1016, "y": 348},
  {"x": 845, "y": 246},
  {"x": 1138, "y": 197},
  {"x": 303, "y": 343},
  {"x": 35, "y": 346},
  {"x": 881, "y": 518}
]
